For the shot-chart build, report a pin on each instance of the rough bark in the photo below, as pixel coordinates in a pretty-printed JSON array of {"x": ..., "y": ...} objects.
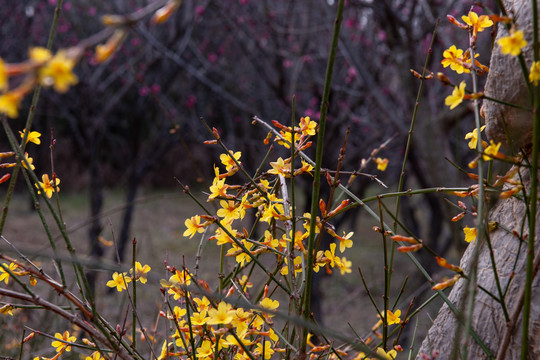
[
  {"x": 505, "y": 82},
  {"x": 488, "y": 318}
]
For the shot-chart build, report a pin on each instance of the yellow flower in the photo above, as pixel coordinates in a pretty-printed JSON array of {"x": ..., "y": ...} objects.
[
  {"x": 218, "y": 187},
  {"x": 4, "y": 83},
  {"x": 381, "y": 163},
  {"x": 205, "y": 350},
  {"x": 280, "y": 167},
  {"x": 9, "y": 104},
  {"x": 194, "y": 226},
  {"x": 243, "y": 281},
  {"x": 344, "y": 265},
  {"x": 178, "y": 312},
  {"x": 221, "y": 235},
  {"x": 228, "y": 211},
  {"x": 199, "y": 318},
  {"x": 163, "y": 354},
  {"x": 491, "y": 151},
  {"x": 345, "y": 241},
  {"x": 478, "y": 23},
  {"x": 58, "y": 72},
  {"x": 48, "y": 186},
  {"x": 7, "y": 309},
  {"x": 228, "y": 161},
  {"x": 267, "y": 350},
  {"x": 297, "y": 264},
  {"x": 60, "y": 344},
  {"x": 140, "y": 272},
  {"x": 534, "y": 74},
  {"x": 119, "y": 281},
  {"x": 241, "y": 256},
  {"x": 4, "y": 275},
  {"x": 39, "y": 55},
  {"x": 393, "y": 317},
  {"x": 331, "y": 254},
  {"x": 29, "y": 160},
  {"x": 175, "y": 283},
  {"x": 390, "y": 355},
  {"x": 269, "y": 304},
  {"x": 307, "y": 126},
  {"x": 95, "y": 356},
  {"x": 202, "y": 304},
  {"x": 33, "y": 136},
  {"x": 224, "y": 314},
  {"x": 454, "y": 58},
  {"x": 287, "y": 139},
  {"x": 473, "y": 135},
  {"x": 457, "y": 96},
  {"x": 513, "y": 43},
  {"x": 470, "y": 234}
]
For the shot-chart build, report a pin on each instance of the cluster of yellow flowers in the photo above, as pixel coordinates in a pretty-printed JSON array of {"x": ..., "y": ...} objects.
[
  {"x": 209, "y": 328},
  {"x": 460, "y": 61},
  {"x": 263, "y": 196},
  {"x": 63, "y": 343},
  {"x": 120, "y": 281},
  {"x": 48, "y": 186},
  {"x": 43, "y": 68}
]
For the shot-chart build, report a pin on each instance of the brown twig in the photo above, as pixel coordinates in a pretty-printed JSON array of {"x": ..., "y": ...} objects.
[{"x": 73, "y": 318}]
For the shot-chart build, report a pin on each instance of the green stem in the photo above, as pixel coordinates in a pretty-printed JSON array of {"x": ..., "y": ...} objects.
[
  {"x": 29, "y": 120},
  {"x": 317, "y": 170},
  {"x": 387, "y": 279},
  {"x": 472, "y": 285},
  {"x": 134, "y": 312},
  {"x": 533, "y": 198}
]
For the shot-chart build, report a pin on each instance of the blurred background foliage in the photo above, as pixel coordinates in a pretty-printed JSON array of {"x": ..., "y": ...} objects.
[{"x": 133, "y": 122}]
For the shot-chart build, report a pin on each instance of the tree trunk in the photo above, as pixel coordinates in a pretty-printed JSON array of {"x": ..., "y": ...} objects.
[
  {"x": 502, "y": 338},
  {"x": 488, "y": 320}
]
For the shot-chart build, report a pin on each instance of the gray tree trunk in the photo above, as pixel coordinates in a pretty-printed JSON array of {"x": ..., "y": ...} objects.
[{"x": 503, "y": 339}]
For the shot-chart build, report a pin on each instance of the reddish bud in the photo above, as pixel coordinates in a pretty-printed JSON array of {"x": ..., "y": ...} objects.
[
  {"x": 460, "y": 193},
  {"x": 458, "y": 216},
  {"x": 328, "y": 179},
  {"x": 4, "y": 155},
  {"x": 5, "y": 178},
  {"x": 341, "y": 206},
  {"x": 29, "y": 337},
  {"x": 509, "y": 193},
  {"x": 204, "y": 285},
  {"x": 322, "y": 207},
  {"x": 419, "y": 76},
  {"x": 410, "y": 248},
  {"x": 444, "y": 79},
  {"x": 267, "y": 139},
  {"x": 280, "y": 126},
  {"x": 445, "y": 284},
  {"x": 406, "y": 239},
  {"x": 445, "y": 264},
  {"x": 457, "y": 23},
  {"x": 216, "y": 133}
]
